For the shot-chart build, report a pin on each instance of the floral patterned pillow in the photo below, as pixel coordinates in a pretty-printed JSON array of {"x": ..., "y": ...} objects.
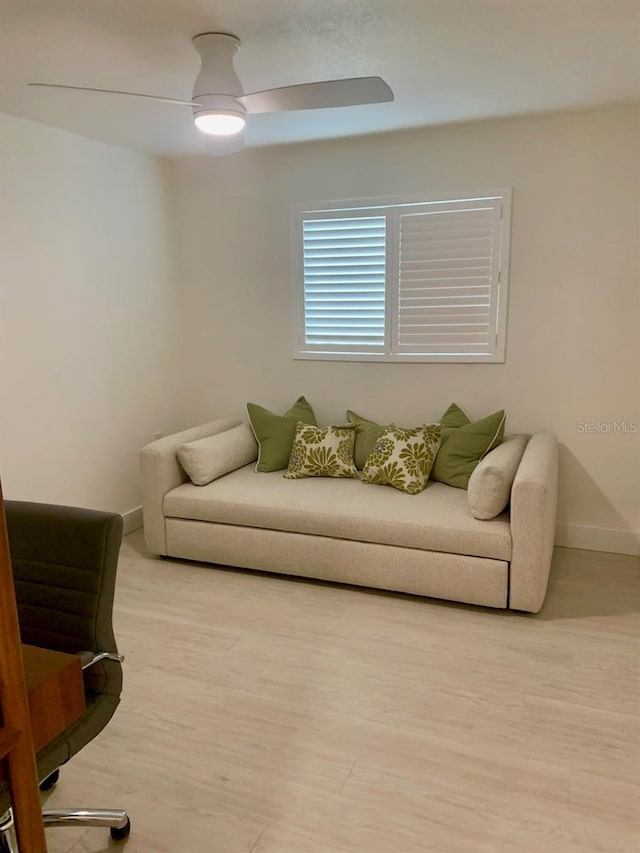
[
  {"x": 403, "y": 458},
  {"x": 322, "y": 452}
]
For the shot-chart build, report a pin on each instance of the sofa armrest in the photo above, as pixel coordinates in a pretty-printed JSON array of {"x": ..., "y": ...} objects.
[
  {"x": 534, "y": 498},
  {"x": 160, "y": 472}
]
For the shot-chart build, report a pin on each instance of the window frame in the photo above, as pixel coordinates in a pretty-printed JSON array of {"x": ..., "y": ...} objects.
[{"x": 392, "y": 207}]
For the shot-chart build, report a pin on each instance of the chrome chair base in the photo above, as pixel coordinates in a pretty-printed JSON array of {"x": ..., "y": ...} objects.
[
  {"x": 117, "y": 820},
  {"x": 114, "y": 818}
]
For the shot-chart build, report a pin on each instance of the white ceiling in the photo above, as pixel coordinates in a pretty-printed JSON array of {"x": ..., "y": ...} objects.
[{"x": 446, "y": 60}]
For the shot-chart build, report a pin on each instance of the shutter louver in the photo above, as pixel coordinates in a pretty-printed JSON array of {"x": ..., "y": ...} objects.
[
  {"x": 344, "y": 262},
  {"x": 448, "y": 279}
]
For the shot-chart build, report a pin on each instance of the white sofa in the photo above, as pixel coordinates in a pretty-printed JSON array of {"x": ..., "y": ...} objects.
[{"x": 344, "y": 530}]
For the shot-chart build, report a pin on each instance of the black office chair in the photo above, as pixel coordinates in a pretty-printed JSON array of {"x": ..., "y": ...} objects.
[{"x": 64, "y": 566}]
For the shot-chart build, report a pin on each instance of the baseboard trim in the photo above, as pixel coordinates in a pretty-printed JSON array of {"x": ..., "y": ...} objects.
[
  {"x": 610, "y": 539},
  {"x": 132, "y": 520}
]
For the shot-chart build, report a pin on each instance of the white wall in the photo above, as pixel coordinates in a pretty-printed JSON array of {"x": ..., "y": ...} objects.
[
  {"x": 573, "y": 352},
  {"x": 88, "y": 317}
]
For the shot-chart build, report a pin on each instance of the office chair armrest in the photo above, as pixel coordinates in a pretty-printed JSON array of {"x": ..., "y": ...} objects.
[{"x": 89, "y": 658}]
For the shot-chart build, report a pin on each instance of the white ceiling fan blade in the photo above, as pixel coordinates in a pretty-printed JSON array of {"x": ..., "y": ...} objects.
[
  {"x": 220, "y": 146},
  {"x": 315, "y": 96},
  {"x": 177, "y": 101}
]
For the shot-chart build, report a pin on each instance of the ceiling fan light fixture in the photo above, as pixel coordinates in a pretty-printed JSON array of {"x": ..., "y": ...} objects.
[
  {"x": 220, "y": 105},
  {"x": 218, "y": 115},
  {"x": 219, "y": 122}
]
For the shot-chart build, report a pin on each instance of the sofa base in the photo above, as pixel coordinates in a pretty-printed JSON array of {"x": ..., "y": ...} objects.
[{"x": 456, "y": 577}]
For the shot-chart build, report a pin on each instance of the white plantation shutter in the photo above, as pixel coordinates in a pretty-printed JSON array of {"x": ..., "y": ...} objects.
[
  {"x": 408, "y": 281},
  {"x": 344, "y": 283},
  {"x": 448, "y": 279}
]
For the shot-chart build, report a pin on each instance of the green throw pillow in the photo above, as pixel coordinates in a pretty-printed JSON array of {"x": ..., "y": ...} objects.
[
  {"x": 367, "y": 433},
  {"x": 403, "y": 458},
  {"x": 322, "y": 452},
  {"x": 275, "y": 433},
  {"x": 453, "y": 418},
  {"x": 464, "y": 444}
]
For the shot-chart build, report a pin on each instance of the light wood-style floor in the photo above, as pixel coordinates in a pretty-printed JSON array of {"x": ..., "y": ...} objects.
[{"x": 274, "y": 715}]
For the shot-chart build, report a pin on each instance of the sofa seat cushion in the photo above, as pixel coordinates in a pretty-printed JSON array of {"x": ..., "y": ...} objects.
[{"x": 437, "y": 519}]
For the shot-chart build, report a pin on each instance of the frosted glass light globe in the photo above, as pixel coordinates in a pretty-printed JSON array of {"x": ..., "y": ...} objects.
[{"x": 219, "y": 124}]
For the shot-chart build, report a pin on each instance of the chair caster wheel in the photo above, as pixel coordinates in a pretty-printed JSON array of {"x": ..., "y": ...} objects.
[
  {"x": 122, "y": 833},
  {"x": 48, "y": 783}
]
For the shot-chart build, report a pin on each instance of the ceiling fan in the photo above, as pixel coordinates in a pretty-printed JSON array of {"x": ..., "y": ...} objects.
[{"x": 220, "y": 106}]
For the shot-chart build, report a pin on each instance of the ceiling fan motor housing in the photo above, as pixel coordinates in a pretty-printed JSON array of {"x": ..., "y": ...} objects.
[{"x": 217, "y": 86}]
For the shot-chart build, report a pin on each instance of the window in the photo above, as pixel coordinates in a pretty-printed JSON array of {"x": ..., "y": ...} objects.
[{"x": 403, "y": 281}]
